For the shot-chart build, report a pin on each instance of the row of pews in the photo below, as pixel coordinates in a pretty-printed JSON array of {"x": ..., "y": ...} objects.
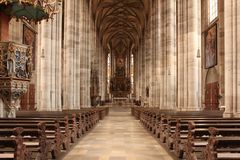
[
  {"x": 45, "y": 135},
  {"x": 193, "y": 135}
]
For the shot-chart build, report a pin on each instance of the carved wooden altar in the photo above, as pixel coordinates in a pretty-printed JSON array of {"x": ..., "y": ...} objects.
[
  {"x": 120, "y": 82},
  {"x": 120, "y": 86}
]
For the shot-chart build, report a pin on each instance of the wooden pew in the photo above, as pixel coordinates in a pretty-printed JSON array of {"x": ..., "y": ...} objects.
[
  {"x": 73, "y": 123},
  {"x": 13, "y": 147},
  {"x": 60, "y": 128},
  {"x": 87, "y": 117},
  {"x": 169, "y": 118},
  {"x": 223, "y": 147},
  {"x": 136, "y": 111},
  {"x": 34, "y": 138},
  {"x": 196, "y": 126},
  {"x": 53, "y": 133},
  {"x": 66, "y": 123},
  {"x": 199, "y": 133},
  {"x": 178, "y": 131},
  {"x": 190, "y": 137}
]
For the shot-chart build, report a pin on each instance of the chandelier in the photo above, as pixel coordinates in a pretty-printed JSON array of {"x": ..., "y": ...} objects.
[{"x": 31, "y": 10}]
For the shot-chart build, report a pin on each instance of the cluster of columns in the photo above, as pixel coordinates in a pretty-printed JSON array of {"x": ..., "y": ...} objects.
[
  {"x": 232, "y": 56},
  {"x": 100, "y": 65},
  {"x": 66, "y": 50},
  {"x": 188, "y": 58},
  {"x": 77, "y": 54},
  {"x": 167, "y": 61},
  {"x": 48, "y": 74}
]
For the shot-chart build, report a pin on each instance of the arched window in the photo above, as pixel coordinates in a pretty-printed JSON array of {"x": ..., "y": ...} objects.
[
  {"x": 108, "y": 71},
  {"x": 213, "y": 10},
  {"x": 132, "y": 72}
]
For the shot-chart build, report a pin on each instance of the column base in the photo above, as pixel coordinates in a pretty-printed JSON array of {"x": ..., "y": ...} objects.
[{"x": 228, "y": 115}]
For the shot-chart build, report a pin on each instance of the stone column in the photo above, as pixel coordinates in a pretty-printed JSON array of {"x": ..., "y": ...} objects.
[
  {"x": 103, "y": 73},
  {"x": 162, "y": 53},
  {"x": 136, "y": 75},
  {"x": 232, "y": 57},
  {"x": 76, "y": 54},
  {"x": 140, "y": 72},
  {"x": 49, "y": 65},
  {"x": 83, "y": 55},
  {"x": 68, "y": 92},
  {"x": 188, "y": 35},
  {"x": 154, "y": 83},
  {"x": 149, "y": 58},
  {"x": 159, "y": 54},
  {"x": 143, "y": 69},
  {"x": 166, "y": 58},
  {"x": 171, "y": 54}
]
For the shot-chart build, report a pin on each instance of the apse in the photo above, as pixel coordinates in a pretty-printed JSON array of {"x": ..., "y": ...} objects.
[{"x": 120, "y": 26}]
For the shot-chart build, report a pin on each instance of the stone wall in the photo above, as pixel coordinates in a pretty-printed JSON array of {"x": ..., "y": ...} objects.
[{"x": 167, "y": 61}]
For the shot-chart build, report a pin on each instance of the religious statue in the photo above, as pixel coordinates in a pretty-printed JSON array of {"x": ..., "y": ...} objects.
[
  {"x": 11, "y": 64},
  {"x": 29, "y": 64},
  {"x": 147, "y": 91},
  {"x": 29, "y": 68}
]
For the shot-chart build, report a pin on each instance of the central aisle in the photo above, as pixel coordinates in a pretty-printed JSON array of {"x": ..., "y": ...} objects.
[{"x": 118, "y": 137}]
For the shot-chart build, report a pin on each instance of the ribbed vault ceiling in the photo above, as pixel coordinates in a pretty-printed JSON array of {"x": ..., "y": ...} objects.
[{"x": 120, "y": 22}]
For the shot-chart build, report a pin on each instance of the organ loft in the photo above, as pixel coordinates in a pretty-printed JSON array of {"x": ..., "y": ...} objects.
[{"x": 119, "y": 79}]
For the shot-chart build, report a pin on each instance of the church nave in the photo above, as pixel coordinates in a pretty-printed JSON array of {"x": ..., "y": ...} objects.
[{"x": 118, "y": 137}]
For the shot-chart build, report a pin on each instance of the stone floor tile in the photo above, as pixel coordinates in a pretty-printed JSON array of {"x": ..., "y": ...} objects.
[{"x": 118, "y": 137}]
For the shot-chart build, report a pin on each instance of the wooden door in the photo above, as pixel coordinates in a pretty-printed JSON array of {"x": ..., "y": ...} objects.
[
  {"x": 28, "y": 99},
  {"x": 212, "y": 96}
]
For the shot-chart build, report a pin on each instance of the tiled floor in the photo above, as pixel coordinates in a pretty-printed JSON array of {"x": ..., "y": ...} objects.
[{"x": 118, "y": 137}]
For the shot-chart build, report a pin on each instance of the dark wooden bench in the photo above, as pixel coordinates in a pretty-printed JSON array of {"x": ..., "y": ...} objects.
[
  {"x": 190, "y": 128},
  {"x": 223, "y": 147},
  {"x": 67, "y": 123},
  {"x": 87, "y": 118},
  {"x": 53, "y": 133},
  {"x": 34, "y": 138},
  {"x": 58, "y": 130},
  {"x": 11, "y": 145},
  {"x": 168, "y": 120},
  {"x": 195, "y": 132}
]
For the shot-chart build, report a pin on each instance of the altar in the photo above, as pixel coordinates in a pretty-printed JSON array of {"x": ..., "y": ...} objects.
[
  {"x": 120, "y": 87},
  {"x": 120, "y": 99}
]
